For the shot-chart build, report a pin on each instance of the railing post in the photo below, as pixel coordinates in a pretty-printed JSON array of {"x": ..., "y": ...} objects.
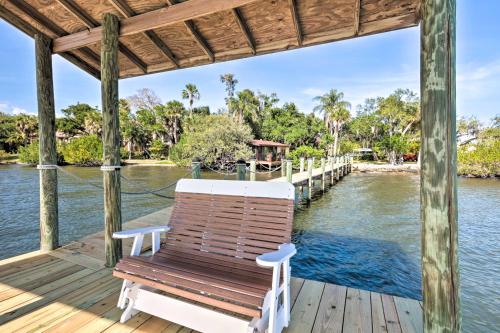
[
  {"x": 301, "y": 168},
  {"x": 337, "y": 168},
  {"x": 283, "y": 170},
  {"x": 332, "y": 169},
  {"x": 49, "y": 224},
  {"x": 253, "y": 169},
  {"x": 310, "y": 179},
  {"x": 323, "y": 175},
  {"x": 289, "y": 171},
  {"x": 196, "y": 168},
  {"x": 111, "y": 138},
  {"x": 241, "y": 169}
]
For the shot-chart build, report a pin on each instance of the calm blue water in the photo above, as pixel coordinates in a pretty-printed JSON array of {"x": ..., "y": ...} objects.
[{"x": 364, "y": 232}]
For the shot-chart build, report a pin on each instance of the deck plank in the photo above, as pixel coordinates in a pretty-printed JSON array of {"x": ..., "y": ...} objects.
[
  {"x": 295, "y": 287},
  {"x": 357, "y": 317},
  {"x": 410, "y": 315},
  {"x": 331, "y": 310},
  {"x": 306, "y": 306},
  {"x": 378, "y": 319},
  {"x": 391, "y": 315},
  {"x": 152, "y": 325}
]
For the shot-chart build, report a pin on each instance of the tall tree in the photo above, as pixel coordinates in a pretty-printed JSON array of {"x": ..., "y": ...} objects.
[
  {"x": 335, "y": 113},
  {"x": 175, "y": 111},
  {"x": 230, "y": 85},
  {"x": 244, "y": 106},
  {"x": 191, "y": 93},
  {"x": 144, "y": 99}
]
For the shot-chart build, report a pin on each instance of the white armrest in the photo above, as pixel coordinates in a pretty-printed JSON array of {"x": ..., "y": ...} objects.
[
  {"x": 276, "y": 258},
  {"x": 139, "y": 231}
]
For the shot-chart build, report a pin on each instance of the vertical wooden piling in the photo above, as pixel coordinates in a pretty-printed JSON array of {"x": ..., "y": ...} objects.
[
  {"x": 283, "y": 170},
  {"x": 111, "y": 138},
  {"x": 289, "y": 171},
  {"x": 332, "y": 170},
  {"x": 438, "y": 188},
  {"x": 196, "y": 168},
  {"x": 323, "y": 175},
  {"x": 241, "y": 169},
  {"x": 310, "y": 179},
  {"x": 302, "y": 162},
  {"x": 253, "y": 169},
  {"x": 49, "y": 225},
  {"x": 337, "y": 168}
]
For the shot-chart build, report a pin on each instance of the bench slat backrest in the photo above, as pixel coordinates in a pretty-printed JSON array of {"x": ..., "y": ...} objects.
[{"x": 230, "y": 221}]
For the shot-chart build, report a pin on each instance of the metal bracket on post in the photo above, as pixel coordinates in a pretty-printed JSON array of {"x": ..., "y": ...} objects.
[
  {"x": 46, "y": 166},
  {"x": 110, "y": 167}
]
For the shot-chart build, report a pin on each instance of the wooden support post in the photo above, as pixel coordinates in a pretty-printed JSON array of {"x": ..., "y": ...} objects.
[
  {"x": 302, "y": 162},
  {"x": 111, "y": 138},
  {"x": 241, "y": 169},
  {"x": 337, "y": 168},
  {"x": 196, "y": 168},
  {"x": 323, "y": 175},
  {"x": 283, "y": 170},
  {"x": 289, "y": 171},
  {"x": 310, "y": 179},
  {"x": 332, "y": 170},
  {"x": 49, "y": 225},
  {"x": 438, "y": 183},
  {"x": 253, "y": 169}
]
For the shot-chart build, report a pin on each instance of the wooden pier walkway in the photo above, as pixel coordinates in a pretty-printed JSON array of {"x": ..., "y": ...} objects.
[{"x": 70, "y": 290}]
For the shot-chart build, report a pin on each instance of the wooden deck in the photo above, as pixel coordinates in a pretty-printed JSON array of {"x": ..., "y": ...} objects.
[
  {"x": 70, "y": 290},
  {"x": 302, "y": 178}
]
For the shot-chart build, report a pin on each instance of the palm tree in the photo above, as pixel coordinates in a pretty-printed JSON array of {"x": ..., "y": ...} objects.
[
  {"x": 230, "y": 83},
  {"x": 190, "y": 93},
  {"x": 175, "y": 111},
  {"x": 27, "y": 127},
  {"x": 246, "y": 104},
  {"x": 335, "y": 113}
]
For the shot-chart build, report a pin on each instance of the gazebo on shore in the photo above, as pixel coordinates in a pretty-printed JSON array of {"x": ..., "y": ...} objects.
[{"x": 117, "y": 39}]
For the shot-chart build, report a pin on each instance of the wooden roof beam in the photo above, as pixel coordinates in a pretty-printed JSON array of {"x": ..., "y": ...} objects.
[
  {"x": 180, "y": 12},
  {"x": 244, "y": 29},
  {"x": 90, "y": 23},
  {"x": 357, "y": 16},
  {"x": 191, "y": 28},
  {"x": 296, "y": 22},
  {"x": 56, "y": 30},
  {"x": 127, "y": 11}
]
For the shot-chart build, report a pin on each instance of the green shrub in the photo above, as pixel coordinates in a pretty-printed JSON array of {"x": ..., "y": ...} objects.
[
  {"x": 84, "y": 151},
  {"x": 216, "y": 139},
  {"x": 29, "y": 154},
  {"x": 482, "y": 159},
  {"x": 158, "y": 149},
  {"x": 305, "y": 151}
]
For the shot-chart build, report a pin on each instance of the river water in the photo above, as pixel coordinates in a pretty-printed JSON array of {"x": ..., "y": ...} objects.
[{"x": 364, "y": 232}]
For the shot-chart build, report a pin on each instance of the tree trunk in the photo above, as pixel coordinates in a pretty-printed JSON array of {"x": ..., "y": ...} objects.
[
  {"x": 335, "y": 140},
  {"x": 438, "y": 190}
]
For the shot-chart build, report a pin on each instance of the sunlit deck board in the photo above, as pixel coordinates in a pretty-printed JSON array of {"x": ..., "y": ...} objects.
[{"x": 84, "y": 299}]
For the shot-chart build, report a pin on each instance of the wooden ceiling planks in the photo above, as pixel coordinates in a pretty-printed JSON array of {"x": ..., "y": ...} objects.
[{"x": 258, "y": 27}]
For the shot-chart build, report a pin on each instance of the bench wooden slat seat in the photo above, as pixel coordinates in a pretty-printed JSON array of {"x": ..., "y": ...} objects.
[{"x": 221, "y": 234}]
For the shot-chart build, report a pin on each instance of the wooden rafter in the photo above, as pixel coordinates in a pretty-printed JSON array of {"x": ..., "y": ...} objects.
[
  {"x": 183, "y": 11},
  {"x": 357, "y": 16},
  {"x": 56, "y": 30},
  {"x": 296, "y": 22},
  {"x": 127, "y": 12},
  {"x": 244, "y": 29},
  {"x": 90, "y": 23},
  {"x": 191, "y": 28}
]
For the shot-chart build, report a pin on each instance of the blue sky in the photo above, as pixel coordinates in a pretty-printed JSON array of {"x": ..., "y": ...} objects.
[{"x": 363, "y": 67}]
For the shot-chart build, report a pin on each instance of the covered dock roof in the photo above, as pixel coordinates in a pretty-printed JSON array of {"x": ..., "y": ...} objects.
[{"x": 163, "y": 35}]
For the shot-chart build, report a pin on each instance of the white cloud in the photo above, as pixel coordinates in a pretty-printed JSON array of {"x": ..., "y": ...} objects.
[
  {"x": 313, "y": 92},
  {"x": 13, "y": 109}
]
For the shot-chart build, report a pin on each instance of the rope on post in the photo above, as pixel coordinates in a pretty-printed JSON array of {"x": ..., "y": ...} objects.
[{"x": 46, "y": 166}]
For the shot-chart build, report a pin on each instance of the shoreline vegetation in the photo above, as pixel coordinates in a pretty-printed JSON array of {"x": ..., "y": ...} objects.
[{"x": 383, "y": 132}]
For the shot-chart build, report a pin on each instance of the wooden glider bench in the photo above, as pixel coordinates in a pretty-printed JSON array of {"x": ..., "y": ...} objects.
[{"x": 224, "y": 263}]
